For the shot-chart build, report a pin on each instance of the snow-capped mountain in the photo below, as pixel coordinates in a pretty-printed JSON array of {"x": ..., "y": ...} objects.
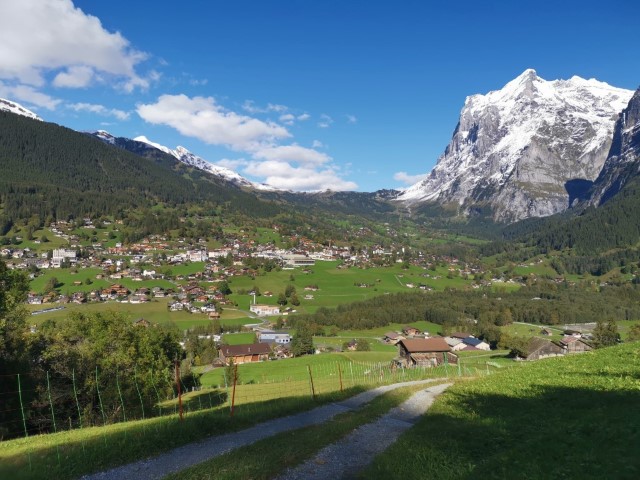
[
  {"x": 623, "y": 162},
  {"x": 188, "y": 158},
  {"x": 185, "y": 156},
  {"x": 517, "y": 150},
  {"x": 13, "y": 107}
]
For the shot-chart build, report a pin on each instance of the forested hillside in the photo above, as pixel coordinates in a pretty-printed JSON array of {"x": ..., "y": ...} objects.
[{"x": 55, "y": 173}]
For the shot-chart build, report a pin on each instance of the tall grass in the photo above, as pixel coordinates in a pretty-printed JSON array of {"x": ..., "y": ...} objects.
[{"x": 570, "y": 417}]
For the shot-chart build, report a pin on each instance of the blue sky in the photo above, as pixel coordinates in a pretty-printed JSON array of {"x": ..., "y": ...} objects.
[{"x": 304, "y": 95}]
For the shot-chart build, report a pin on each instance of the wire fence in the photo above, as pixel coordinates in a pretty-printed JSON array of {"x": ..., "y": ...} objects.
[{"x": 36, "y": 407}]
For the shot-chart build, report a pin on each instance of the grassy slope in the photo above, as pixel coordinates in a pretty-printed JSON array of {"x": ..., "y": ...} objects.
[{"x": 571, "y": 417}]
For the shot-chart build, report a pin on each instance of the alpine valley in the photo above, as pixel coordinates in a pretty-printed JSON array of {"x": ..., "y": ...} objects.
[{"x": 533, "y": 149}]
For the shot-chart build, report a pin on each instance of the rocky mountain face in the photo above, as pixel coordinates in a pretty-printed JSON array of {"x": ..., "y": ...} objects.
[
  {"x": 623, "y": 161},
  {"x": 527, "y": 150}
]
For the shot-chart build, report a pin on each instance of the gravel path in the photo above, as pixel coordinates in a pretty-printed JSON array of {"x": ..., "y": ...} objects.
[
  {"x": 347, "y": 457},
  {"x": 194, "y": 453}
]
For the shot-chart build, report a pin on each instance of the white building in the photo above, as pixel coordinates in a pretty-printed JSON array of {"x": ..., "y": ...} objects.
[{"x": 263, "y": 310}]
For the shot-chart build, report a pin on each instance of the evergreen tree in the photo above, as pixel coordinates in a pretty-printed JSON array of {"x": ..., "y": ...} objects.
[
  {"x": 605, "y": 334},
  {"x": 302, "y": 343}
]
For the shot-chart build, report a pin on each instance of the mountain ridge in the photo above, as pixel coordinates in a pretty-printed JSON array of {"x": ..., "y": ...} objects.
[{"x": 515, "y": 148}]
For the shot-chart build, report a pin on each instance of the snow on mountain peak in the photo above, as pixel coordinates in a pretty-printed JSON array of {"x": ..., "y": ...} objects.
[
  {"x": 188, "y": 158},
  {"x": 157, "y": 146},
  {"x": 515, "y": 148},
  {"x": 13, "y": 107},
  {"x": 106, "y": 136}
]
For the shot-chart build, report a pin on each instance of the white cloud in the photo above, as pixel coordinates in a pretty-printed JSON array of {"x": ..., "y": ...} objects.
[
  {"x": 407, "y": 179},
  {"x": 28, "y": 94},
  {"x": 303, "y": 117},
  {"x": 325, "y": 121},
  {"x": 74, "y": 77},
  {"x": 232, "y": 164},
  {"x": 276, "y": 108},
  {"x": 100, "y": 110},
  {"x": 203, "y": 118},
  {"x": 285, "y": 176},
  {"x": 52, "y": 36},
  {"x": 292, "y": 167},
  {"x": 287, "y": 119},
  {"x": 292, "y": 153},
  {"x": 351, "y": 118},
  {"x": 317, "y": 144},
  {"x": 251, "y": 107}
]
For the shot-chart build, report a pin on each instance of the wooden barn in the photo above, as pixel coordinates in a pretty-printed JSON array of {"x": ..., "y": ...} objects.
[
  {"x": 424, "y": 352},
  {"x": 255, "y": 352},
  {"x": 571, "y": 344},
  {"x": 539, "y": 348}
]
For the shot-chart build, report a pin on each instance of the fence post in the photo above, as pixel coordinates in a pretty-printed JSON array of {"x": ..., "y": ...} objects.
[
  {"x": 153, "y": 382},
  {"x": 352, "y": 379},
  {"x": 340, "y": 374},
  {"x": 459, "y": 371},
  {"x": 124, "y": 413},
  {"x": 104, "y": 417},
  {"x": 135, "y": 380},
  {"x": 75, "y": 394},
  {"x": 313, "y": 391},
  {"x": 233, "y": 396},
  {"x": 24, "y": 419},
  {"x": 53, "y": 416},
  {"x": 177, "y": 365}
]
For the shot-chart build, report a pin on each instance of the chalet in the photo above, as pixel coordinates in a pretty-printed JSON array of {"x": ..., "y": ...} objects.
[
  {"x": 194, "y": 290},
  {"x": 410, "y": 331},
  {"x": 282, "y": 351},
  {"x": 256, "y": 352},
  {"x": 352, "y": 345},
  {"x": 424, "y": 352},
  {"x": 455, "y": 343},
  {"x": 392, "y": 338},
  {"x": 263, "y": 310},
  {"x": 215, "y": 315},
  {"x": 476, "y": 343},
  {"x": 460, "y": 335},
  {"x": 539, "y": 348},
  {"x": 571, "y": 344},
  {"x": 114, "y": 291},
  {"x": 546, "y": 331}
]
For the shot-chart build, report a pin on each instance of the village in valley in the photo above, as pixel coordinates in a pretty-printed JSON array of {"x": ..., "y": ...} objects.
[{"x": 190, "y": 277}]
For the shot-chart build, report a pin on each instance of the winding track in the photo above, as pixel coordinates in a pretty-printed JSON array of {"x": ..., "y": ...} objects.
[{"x": 361, "y": 445}]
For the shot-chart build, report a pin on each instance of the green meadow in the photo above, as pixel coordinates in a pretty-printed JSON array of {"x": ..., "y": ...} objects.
[
  {"x": 155, "y": 311},
  {"x": 339, "y": 285},
  {"x": 568, "y": 417}
]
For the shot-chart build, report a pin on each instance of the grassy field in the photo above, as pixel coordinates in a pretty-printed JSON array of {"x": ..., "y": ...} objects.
[
  {"x": 154, "y": 311},
  {"x": 337, "y": 286},
  {"x": 71, "y": 454},
  {"x": 569, "y": 417}
]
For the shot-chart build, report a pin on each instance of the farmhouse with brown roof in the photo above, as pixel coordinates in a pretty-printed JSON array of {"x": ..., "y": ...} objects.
[
  {"x": 425, "y": 352},
  {"x": 255, "y": 352}
]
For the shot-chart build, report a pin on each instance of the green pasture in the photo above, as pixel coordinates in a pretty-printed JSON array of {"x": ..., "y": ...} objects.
[
  {"x": 338, "y": 286},
  {"x": 564, "y": 417},
  {"x": 67, "y": 276},
  {"x": 155, "y": 311}
]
